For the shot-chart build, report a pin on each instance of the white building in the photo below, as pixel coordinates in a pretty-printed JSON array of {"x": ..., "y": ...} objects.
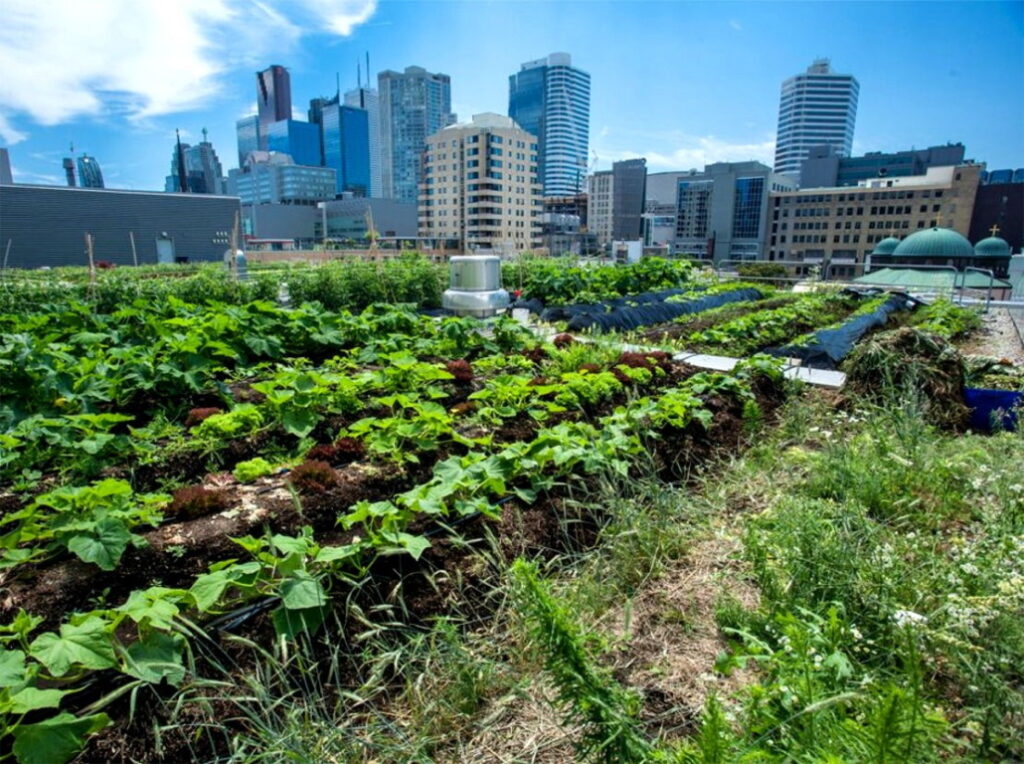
[{"x": 815, "y": 108}]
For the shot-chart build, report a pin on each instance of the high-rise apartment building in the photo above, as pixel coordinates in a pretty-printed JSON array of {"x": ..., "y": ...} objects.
[
  {"x": 203, "y": 171},
  {"x": 247, "y": 129},
  {"x": 480, "y": 186},
  {"x": 273, "y": 100},
  {"x": 368, "y": 100},
  {"x": 550, "y": 99},
  {"x": 346, "y": 141},
  {"x": 300, "y": 140},
  {"x": 89, "y": 173},
  {"x": 815, "y": 108},
  {"x": 414, "y": 104}
]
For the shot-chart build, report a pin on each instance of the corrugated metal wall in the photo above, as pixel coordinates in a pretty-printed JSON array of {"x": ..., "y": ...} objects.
[{"x": 47, "y": 225}]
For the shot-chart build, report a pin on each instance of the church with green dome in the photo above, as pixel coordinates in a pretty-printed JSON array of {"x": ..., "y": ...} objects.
[{"x": 943, "y": 246}]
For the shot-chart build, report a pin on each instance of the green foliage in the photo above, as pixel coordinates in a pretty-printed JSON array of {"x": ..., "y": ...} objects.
[
  {"x": 946, "y": 319},
  {"x": 590, "y": 697},
  {"x": 242, "y": 420},
  {"x": 253, "y": 469},
  {"x": 93, "y": 522},
  {"x": 557, "y": 281}
]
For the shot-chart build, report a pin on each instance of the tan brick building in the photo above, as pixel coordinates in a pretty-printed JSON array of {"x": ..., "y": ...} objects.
[
  {"x": 841, "y": 226},
  {"x": 480, "y": 186}
]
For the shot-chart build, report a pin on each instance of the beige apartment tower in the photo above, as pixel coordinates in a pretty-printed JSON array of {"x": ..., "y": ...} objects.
[{"x": 480, "y": 186}]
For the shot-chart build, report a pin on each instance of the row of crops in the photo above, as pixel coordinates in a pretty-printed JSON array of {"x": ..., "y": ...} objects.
[{"x": 172, "y": 451}]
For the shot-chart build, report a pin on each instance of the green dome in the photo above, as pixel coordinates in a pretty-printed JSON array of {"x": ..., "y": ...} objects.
[
  {"x": 886, "y": 246},
  {"x": 993, "y": 246},
  {"x": 935, "y": 242}
]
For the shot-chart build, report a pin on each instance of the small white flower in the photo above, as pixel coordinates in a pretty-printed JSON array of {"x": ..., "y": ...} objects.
[{"x": 908, "y": 618}]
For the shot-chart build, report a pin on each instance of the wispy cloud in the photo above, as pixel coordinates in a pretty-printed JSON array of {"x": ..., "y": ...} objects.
[
  {"x": 736, "y": 25},
  {"x": 64, "y": 59},
  {"x": 681, "y": 151}
]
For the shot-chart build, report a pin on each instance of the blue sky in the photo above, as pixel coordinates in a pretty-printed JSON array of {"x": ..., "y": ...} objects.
[{"x": 680, "y": 83}]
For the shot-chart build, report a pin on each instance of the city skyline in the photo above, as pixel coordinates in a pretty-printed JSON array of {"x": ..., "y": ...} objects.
[{"x": 679, "y": 84}]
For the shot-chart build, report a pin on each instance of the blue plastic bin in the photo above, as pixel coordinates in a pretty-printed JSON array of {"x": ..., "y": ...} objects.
[{"x": 985, "y": 403}]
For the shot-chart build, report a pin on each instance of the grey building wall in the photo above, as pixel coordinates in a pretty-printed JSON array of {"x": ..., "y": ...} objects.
[
  {"x": 628, "y": 185},
  {"x": 348, "y": 218},
  {"x": 729, "y": 220},
  {"x": 280, "y": 221},
  {"x": 46, "y": 225},
  {"x": 825, "y": 167}
]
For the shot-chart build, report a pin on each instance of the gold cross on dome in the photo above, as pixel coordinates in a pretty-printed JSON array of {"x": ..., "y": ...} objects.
[
  {"x": 994, "y": 229},
  {"x": 938, "y": 219}
]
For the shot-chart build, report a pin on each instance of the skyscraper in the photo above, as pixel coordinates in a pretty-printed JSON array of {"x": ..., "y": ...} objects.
[
  {"x": 346, "y": 140},
  {"x": 89, "y": 173},
  {"x": 413, "y": 105},
  {"x": 368, "y": 100},
  {"x": 203, "y": 171},
  {"x": 815, "y": 108},
  {"x": 550, "y": 99},
  {"x": 300, "y": 140},
  {"x": 273, "y": 99},
  {"x": 248, "y": 131}
]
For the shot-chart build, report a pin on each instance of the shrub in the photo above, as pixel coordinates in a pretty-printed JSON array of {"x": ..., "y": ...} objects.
[
  {"x": 246, "y": 472},
  {"x": 314, "y": 477},
  {"x": 197, "y": 416},
  {"x": 196, "y": 501}
]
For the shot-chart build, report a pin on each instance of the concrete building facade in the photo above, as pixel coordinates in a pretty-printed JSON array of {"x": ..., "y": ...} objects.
[
  {"x": 414, "y": 104},
  {"x": 825, "y": 167},
  {"x": 600, "y": 204},
  {"x": 817, "y": 107},
  {"x": 46, "y": 225},
  {"x": 272, "y": 178},
  {"x": 480, "y": 186},
  {"x": 840, "y": 226},
  {"x": 550, "y": 99},
  {"x": 349, "y": 219}
]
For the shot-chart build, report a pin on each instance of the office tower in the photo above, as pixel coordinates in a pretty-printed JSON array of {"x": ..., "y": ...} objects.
[
  {"x": 300, "y": 140},
  {"x": 615, "y": 201},
  {"x": 817, "y": 107},
  {"x": 272, "y": 178},
  {"x": 316, "y": 117},
  {"x": 89, "y": 173},
  {"x": 69, "y": 171},
  {"x": 273, "y": 99},
  {"x": 346, "y": 140},
  {"x": 368, "y": 100},
  {"x": 203, "y": 171},
  {"x": 414, "y": 104},
  {"x": 248, "y": 131},
  {"x": 480, "y": 186},
  {"x": 550, "y": 99}
]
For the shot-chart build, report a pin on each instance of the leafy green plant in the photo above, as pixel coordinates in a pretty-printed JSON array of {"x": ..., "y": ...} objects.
[{"x": 253, "y": 469}]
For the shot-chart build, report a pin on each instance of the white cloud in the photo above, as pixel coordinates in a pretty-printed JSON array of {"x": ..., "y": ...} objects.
[
  {"x": 736, "y": 25},
  {"x": 678, "y": 151},
  {"x": 64, "y": 59}
]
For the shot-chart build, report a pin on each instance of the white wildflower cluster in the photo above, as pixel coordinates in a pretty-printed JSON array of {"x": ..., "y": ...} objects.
[
  {"x": 909, "y": 618},
  {"x": 820, "y": 432}
]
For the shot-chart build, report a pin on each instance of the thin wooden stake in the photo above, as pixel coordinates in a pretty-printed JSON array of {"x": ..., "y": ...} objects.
[
  {"x": 92, "y": 264},
  {"x": 7, "y": 253},
  {"x": 135, "y": 257},
  {"x": 234, "y": 248}
]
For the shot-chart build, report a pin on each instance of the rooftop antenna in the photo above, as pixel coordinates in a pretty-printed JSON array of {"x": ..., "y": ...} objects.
[
  {"x": 359, "y": 75},
  {"x": 204, "y": 135},
  {"x": 337, "y": 78},
  {"x": 367, "y": 68}
]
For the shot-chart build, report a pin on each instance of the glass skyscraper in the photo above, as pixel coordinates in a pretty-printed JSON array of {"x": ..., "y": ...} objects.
[
  {"x": 368, "y": 100},
  {"x": 248, "y": 131},
  {"x": 273, "y": 99},
  {"x": 89, "y": 173},
  {"x": 299, "y": 139},
  {"x": 816, "y": 108},
  {"x": 414, "y": 104},
  {"x": 550, "y": 99},
  {"x": 346, "y": 137},
  {"x": 203, "y": 171}
]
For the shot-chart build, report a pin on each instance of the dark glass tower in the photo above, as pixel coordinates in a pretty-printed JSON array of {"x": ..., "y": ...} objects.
[
  {"x": 273, "y": 99},
  {"x": 89, "y": 173}
]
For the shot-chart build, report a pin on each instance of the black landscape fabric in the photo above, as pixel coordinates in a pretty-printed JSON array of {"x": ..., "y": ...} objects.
[
  {"x": 629, "y": 317},
  {"x": 830, "y": 346}
]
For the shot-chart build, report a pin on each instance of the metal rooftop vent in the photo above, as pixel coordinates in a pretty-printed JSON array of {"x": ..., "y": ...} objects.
[{"x": 475, "y": 288}]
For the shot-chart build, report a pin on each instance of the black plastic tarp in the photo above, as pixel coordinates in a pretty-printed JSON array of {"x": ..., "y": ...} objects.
[
  {"x": 830, "y": 346},
  {"x": 625, "y": 317}
]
